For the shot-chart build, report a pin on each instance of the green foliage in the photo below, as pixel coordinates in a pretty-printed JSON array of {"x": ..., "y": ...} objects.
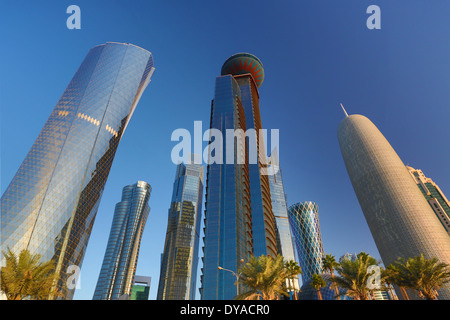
[
  {"x": 353, "y": 275},
  {"x": 264, "y": 277},
  {"x": 318, "y": 282},
  {"x": 421, "y": 274},
  {"x": 329, "y": 263},
  {"x": 293, "y": 270},
  {"x": 24, "y": 277}
]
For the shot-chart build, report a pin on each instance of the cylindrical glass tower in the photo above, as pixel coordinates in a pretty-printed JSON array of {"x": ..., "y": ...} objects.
[
  {"x": 119, "y": 264},
  {"x": 51, "y": 203},
  {"x": 304, "y": 220}
]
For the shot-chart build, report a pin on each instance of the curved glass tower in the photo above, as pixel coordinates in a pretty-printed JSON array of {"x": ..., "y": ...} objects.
[
  {"x": 119, "y": 264},
  {"x": 304, "y": 221},
  {"x": 400, "y": 219},
  {"x": 51, "y": 203},
  {"x": 178, "y": 276}
]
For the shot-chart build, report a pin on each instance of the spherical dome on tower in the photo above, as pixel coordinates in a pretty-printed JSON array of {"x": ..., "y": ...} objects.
[{"x": 242, "y": 63}]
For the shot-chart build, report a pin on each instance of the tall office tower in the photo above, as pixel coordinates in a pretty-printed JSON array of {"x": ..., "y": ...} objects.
[
  {"x": 400, "y": 219},
  {"x": 248, "y": 72},
  {"x": 51, "y": 203},
  {"x": 304, "y": 220},
  {"x": 280, "y": 211},
  {"x": 239, "y": 220},
  {"x": 141, "y": 288},
  {"x": 434, "y": 196},
  {"x": 118, "y": 271},
  {"x": 179, "y": 264}
]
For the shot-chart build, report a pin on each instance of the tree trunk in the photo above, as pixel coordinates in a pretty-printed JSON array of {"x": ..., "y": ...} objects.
[
  {"x": 319, "y": 294},
  {"x": 404, "y": 293}
]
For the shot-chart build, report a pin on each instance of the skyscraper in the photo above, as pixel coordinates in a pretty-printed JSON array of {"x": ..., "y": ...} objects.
[
  {"x": 280, "y": 211},
  {"x": 434, "y": 195},
  {"x": 238, "y": 215},
  {"x": 248, "y": 72},
  {"x": 51, "y": 203},
  {"x": 122, "y": 252},
  {"x": 304, "y": 220},
  {"x": 401, "y": 221},
  {"x": 179, "y": 264}
]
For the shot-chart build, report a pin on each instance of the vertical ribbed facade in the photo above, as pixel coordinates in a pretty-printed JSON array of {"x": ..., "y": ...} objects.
[
  {"x": 121, "y": 256},
  {"x": 304, "y": 221},
  {"x": 228, "y": 229},
  {"x": 263, "y": 221},
  {"x": 398, "y": 215},
  {"x": 51, "y": 203},
  {"x": 239, "y": 220},
  {"x": 178, "y": 276}
]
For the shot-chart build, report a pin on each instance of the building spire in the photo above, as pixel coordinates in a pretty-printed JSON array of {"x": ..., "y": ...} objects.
[{"x": 346, "y": 114}]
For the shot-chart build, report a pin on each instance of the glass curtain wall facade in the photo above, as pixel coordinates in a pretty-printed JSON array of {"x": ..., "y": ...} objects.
[
  {"x": 178, "y": 277},
  {"x": 118, "y": 271},
  {"x": 434, "y": 195},
  {"x": 50, "y": 205},
  {"x": 239, "y": 220},
  {"x": 280, "y": 211},
  {"x": 249, "y": 73},
  {"x": 400, "y": 219},
  {"x": 141, "y": 288},
  {"x": 304, "y": 220},
  {"x": 228, "y": 228}
]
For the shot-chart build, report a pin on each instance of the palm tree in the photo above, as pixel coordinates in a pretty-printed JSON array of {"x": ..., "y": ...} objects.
[
  {"x": 388, "y": 277},
  {"x": 421, "y": 274},
  {"x": 329, "y": 263},
  {"x": 318, "y": 282},
  {"x": 264, "y": 277},
  {"x": 292, "y": 271},
  {"x": 353, "y": 275},
  {"x": 24, "y": 277}
]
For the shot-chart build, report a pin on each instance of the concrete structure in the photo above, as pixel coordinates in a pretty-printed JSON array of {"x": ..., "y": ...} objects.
[{"x": 401, "y": 221}]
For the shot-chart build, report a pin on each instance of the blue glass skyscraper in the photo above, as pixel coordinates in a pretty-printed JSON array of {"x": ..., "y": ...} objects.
[
  {"x": 50, "y": 205},
  {"x": 239, "y": 221},
  {"x": 280, "y": 211},
  {"x": 304, "y": 220},
  {"x": 179, "y": 263},
  {"x": 118, "y": 270}
]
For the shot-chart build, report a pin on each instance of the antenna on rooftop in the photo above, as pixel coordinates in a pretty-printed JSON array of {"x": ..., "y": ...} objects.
[{"x": 346, "y": 114}]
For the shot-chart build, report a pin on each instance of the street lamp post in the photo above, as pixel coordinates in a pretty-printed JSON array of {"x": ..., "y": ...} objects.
[{"x": 236, "y": 274}]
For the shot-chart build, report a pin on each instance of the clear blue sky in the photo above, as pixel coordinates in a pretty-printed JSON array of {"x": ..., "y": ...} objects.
[{"x": 316, "y": 54}]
